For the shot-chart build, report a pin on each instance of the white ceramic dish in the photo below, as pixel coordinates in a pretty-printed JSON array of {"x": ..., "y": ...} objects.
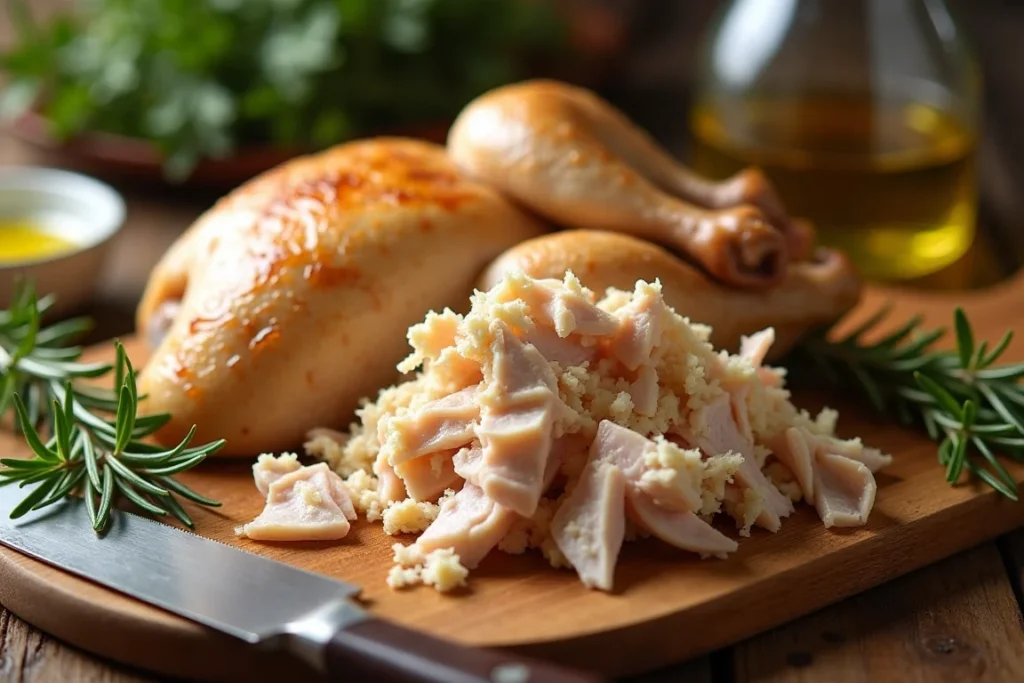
[{"x": 78, "y": 208}]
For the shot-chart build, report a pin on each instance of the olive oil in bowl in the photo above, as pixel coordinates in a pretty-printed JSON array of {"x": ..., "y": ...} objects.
[
  {"x": 56, "y": 230},
  {"x": 25, "y": 241},
  {"x": 892, "y": 184}
]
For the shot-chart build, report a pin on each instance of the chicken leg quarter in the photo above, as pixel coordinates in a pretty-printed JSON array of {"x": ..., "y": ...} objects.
[
  {"x": 570, "y": 156},
  {"x": 290, "y": 299}
]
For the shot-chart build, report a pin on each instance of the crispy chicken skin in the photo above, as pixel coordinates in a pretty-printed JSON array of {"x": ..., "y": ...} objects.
[
  {"x": 813, "y": 292},
  {"x": 290, "y": 299},
  {"x": 570, "y": 156}
]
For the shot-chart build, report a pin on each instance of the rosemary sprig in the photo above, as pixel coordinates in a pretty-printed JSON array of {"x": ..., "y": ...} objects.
[
  {"x": 971, "y": 407},
  {"x": 96, "y": 445}
]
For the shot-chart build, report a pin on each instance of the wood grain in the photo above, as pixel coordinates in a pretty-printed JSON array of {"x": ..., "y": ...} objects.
[
  {"x": 667, "y": 606},
  {"x": 28, "y": 656},
  {"x": 1012, "y": 548},
  {"x": 956, "y": 620}
]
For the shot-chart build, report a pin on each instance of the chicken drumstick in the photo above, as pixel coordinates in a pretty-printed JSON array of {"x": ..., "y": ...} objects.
[{"x": 567, "y": 154}]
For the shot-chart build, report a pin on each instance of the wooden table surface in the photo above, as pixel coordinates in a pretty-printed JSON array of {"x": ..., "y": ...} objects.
[{"x": 959, "y": 619}]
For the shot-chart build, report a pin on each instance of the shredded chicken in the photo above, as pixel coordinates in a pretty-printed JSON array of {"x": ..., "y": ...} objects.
[
  {"x": 269, "y": 469},
  {"x": 306, "y": 504},
  {"x": 517, "y": 417},
  {"x": 544, "y": 418}
]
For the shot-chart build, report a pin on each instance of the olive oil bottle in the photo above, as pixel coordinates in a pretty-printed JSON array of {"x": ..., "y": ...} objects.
[{"x": 864, "y": 125}]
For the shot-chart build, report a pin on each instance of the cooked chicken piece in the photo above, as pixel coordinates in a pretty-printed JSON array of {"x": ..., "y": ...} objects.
[
  {"x": 569, "y": 155},
  {"x": 812, "y": 293},
  {"x": 854, "y": 449},
  {"x": 267, "y": 469},
  {"x": 471, "y": 523},
  {"x": 552, "y": 305},
  {"x": 635, "y": 456},
  {"x": 467, "y": 463},
  {"x": 565, "y": 351},
  {"x": 644, "y": 391},
  {"x": 308, "y": 504},
  {"x": 518, "y": 402},
  {"x": 446, "y": 423},
  {"x": 684, "y": 530},
  {"x": 590, "y": 526},
  {"x": 792, "y": 449},
  {"x": 844, "y": 490},
  {"x": 390, "y": 487},
  {"x": 740, "y": 413},
  {"x": 713, "y": 430},
  {"x": 757, "y": 348},
  {"x": 293, "y": 295},
  {"x": 639, "y": 329},
  {"x": 638, "y": 332},
  {"x": 427, "y": 477}
]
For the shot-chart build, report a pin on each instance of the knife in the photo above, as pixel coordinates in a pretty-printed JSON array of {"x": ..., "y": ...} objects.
[{"x": 309, "y": 616}]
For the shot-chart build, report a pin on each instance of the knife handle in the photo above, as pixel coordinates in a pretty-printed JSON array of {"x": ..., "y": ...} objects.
[{"x": 378, "y": 650}]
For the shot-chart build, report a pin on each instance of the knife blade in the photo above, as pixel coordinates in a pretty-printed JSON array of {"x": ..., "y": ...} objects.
[{"x": 307, "y": 615}]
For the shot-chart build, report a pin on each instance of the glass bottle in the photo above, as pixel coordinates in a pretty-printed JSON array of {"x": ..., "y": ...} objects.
[{"x": 864, "y": 113}]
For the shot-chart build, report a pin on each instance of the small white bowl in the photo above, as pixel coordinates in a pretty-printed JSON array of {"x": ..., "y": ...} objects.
[{"x": 79, "y": 209}]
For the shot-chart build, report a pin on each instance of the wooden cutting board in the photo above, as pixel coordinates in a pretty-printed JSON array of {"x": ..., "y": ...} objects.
[{"x": 668, "y": 606}]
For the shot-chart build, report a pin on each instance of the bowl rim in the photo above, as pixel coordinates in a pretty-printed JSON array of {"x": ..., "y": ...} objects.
[{"x": 108, "y": 209}]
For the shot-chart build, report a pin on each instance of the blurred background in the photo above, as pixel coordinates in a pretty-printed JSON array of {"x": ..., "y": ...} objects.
[{"x": 890, "y": 123}]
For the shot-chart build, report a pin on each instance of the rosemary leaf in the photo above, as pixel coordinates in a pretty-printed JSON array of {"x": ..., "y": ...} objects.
[
  {"x": 996, "y": 466},
  {"x": 174, "y": 507},
  {"x": 998, "y": 351},
  {"x": 89, "y": 493},
  {"x": 19, "y": 464},
  {"x": 176, "y": 467},
  {"x": 972, "y": 408},
  {"x": 68, "y": 481},
  {"x": 131, "y": 494},
  {"x": 986, "y": 477},
  {"x": 1000, "y": 407},
  {"x": 1006, "y": 372},
  {"x": 940, "y": 394},
  {"x": 36, "y": 495},
  {"x": 185, "y": 492},
  {"x": 867, "y": 325},
  {"x": 94, "y": 438},
  {"x": 106, "y": 498},
  {"x": 900, "y": 334},
  {"x": 964, "y": 337},
  {"x": 126, "y": 474},
  {"x": 89, "y": 455}
]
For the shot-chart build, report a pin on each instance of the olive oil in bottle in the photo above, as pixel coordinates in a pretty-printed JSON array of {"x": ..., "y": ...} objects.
[
  {"x": 892, "y": 184},
  {"x": 863, "y": 113}
]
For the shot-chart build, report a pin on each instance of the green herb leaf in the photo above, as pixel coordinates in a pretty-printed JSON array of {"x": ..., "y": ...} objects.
[
  {"x": 182, "y": 77},
  {"x": 972, "y": 408},
  {"x": 101, "y": 453},
  {"x": 36, "y": 495},
  {"x": 940, "y": 394},
  {"x": 106, "y": 498},
  {"x": 998, "y": 351},
  {"x": 964, "y": 337}
]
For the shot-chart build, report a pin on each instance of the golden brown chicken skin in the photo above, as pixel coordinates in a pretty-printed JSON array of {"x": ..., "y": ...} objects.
[
  {"x": 570, "y": 156},
  {"x": 297, "y": 289}
]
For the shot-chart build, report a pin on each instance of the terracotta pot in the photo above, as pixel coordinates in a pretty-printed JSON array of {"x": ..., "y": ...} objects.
[{"x": 108, "y": 154}]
